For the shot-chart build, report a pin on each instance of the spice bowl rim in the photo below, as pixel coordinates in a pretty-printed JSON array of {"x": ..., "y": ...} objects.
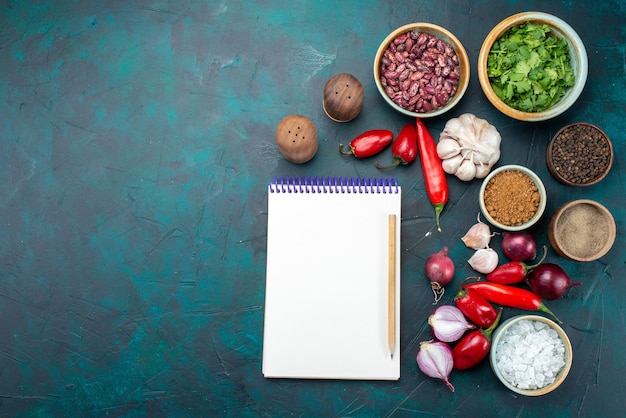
[
  {"x": 559, "y": 246},
  {"x": 561, "y": 179},
  {"x": 543, "y": 197},
  {"x": 578, "y": 60},
  {"x": 560, "y": 378},
  {"x": 446, "y": 36}
]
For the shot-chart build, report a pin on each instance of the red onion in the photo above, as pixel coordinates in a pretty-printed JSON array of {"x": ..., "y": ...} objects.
[
  {"x": 549, "y": 281},
  {"x": 448, "y": 323},
  {"x": 519, "y": 246},
  {"x": 434, "y": 359},
  {"x": 440, "y": 271}
]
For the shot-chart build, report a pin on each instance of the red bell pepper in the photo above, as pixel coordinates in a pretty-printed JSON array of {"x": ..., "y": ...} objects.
[
  {"x": 475, "y": 307},
  {"x": 434, "y": 176},
  {"x": 369, "y": 143},
  {"x": 513, "y": 271},
  {"x": 511, "y": 296},
  {"x": 404, "y": 148},
  {"x": 474, "y": 346}
]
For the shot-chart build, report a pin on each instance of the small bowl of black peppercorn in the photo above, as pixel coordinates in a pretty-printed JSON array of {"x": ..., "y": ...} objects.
[{"x": 579, "y": 154}]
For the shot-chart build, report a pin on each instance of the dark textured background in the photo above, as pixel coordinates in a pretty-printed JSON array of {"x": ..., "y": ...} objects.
[{"x": 137, "y": 141}]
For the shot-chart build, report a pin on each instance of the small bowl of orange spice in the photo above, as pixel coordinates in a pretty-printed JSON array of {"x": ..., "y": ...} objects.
[{"x": 512, "y": 198}]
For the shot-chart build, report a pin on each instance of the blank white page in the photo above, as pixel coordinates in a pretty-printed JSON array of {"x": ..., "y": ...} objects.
[{"x": 327, "y": 280}]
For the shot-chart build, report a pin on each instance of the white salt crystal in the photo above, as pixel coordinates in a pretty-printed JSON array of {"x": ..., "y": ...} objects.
[{"x": 530, "y": 354}]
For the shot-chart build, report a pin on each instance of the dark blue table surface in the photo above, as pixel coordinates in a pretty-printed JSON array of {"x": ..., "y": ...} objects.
[{"x": 137, "y": 141}]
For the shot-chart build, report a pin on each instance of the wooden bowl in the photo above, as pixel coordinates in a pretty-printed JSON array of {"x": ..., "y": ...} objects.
[
  {"x": 578, "y": 62},
  {"x": 445, "y": 36},
  {"x": 579, "y": 154},
  {"x": 582, "y": 230}
]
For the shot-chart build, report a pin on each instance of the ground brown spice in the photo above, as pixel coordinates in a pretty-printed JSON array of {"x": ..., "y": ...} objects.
[
  {"x": 511, "y": 198},
  {"x": 582, "y": 230}
]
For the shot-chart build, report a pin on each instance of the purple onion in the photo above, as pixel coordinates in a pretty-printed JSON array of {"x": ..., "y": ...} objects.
[
  {"x": 549, "y": 281},
  {"x": 434, "y": 359},
  {"x": 448, "y": 323},
  {"x": 519, "y": 246},
  {"x": 439, "y": 271}
]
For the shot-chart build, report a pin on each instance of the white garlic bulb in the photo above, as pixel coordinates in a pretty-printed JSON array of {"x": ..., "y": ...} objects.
[{"x": 474, "y": 142}]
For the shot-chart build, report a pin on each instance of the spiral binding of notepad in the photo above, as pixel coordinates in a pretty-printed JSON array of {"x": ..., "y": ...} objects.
[{"x": 333, "y": 185}]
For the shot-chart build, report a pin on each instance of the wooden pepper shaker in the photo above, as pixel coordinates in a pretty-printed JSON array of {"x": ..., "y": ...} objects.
[{"x": 343, "y": 97}]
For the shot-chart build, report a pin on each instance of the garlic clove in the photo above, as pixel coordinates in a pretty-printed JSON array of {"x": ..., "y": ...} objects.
[
  {"x": 478, "y": 236},
  {"x": 456, "y": 126},
  {"x": 482, "y": 157},
  {"x": 466, "y": 171},
  {"x": 482, "y": 170},
  {"x": 451, "y": 165},
  {"x": 494, "y": 158},
  {"x": 484, "y": 260},
  {"x": 447, "y": 148}
]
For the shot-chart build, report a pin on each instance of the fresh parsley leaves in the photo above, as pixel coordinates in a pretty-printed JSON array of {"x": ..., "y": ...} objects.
[{"x": 529, "y": 69}]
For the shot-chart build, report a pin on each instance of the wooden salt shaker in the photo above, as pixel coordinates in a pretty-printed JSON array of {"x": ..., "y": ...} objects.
[
  {"x": 296, "y": 137},
  {"x": 343, "y": 97}
]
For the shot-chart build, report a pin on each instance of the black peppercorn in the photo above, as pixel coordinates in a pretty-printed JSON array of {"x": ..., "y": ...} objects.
[{"x": 579, "y": 154}]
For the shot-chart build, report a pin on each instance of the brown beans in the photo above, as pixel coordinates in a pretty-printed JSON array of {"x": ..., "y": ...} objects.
[{"x": 419, "y": 72}]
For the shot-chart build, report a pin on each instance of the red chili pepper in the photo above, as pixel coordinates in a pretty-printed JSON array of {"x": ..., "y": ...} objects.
[
  {"x": 513, "y": 271},
  {"x": 404, "y": 148},
  {"x": 434, "y": 176},
  {"x": 475, "y": 307},
  {"x": 369, "y": 143},
  {"x": 473, "y": 347},
  {"x": 511, "y": 296}
]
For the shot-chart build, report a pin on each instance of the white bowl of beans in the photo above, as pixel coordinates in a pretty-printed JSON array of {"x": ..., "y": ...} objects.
[{"x": 421, "y": 70}]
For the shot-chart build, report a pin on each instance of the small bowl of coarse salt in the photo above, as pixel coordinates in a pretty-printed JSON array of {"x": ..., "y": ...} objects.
[{"x": 531, "y": 354}]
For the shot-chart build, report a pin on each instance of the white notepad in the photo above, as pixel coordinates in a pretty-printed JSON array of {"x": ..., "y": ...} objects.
[{"x": 327, "y": 291}]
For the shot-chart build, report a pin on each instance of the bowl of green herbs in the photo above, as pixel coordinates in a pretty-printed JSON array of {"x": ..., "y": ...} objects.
[{"x": 532, "y": 66}]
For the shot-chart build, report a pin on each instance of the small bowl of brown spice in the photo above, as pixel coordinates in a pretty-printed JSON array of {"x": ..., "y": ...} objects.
[
  {"x": 512, "y": 198},
  {"x": 582, "y": 230},
  {"x": 579, "y": 154}
]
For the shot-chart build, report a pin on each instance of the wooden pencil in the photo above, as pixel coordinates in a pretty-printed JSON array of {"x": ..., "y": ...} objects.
[{"x": 391, "y": 305}]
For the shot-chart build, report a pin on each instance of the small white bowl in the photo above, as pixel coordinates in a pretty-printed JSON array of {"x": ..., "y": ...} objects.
[
  {"x": 560, "y": 376},
  {"x": 578, "y": 61},
  {"x": 444, "y": 35},
  {"x": 540, "y": 189}
]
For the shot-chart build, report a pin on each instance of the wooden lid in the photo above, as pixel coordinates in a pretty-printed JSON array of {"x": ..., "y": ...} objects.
[
  {"x": 296, "y": 137},
  {"x": 343, "y": 96}
]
